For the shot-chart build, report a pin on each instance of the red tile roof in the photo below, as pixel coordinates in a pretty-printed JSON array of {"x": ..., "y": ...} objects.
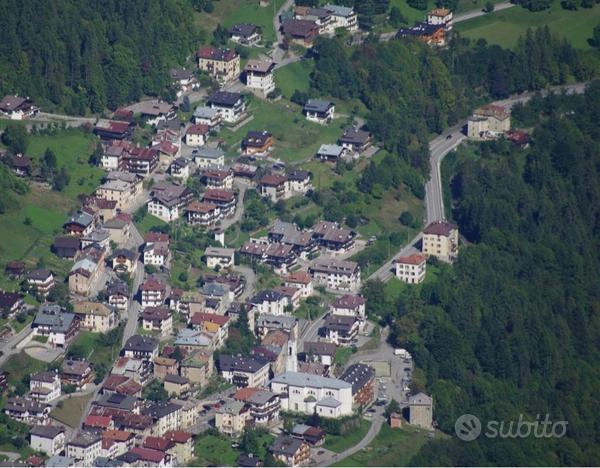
[
  {"x": 273, "y": 180},
  {"x": 201, "y": 317},
  {"x": 301, "y": 277},
  {"x": 97, "y": 421},
  {"x": 179, "y": 437},
  {"x": 158, "y": 443},
  {"x": 440, "y": 228},
  {"x": 414, "y": 259},
  {"x": 244, "y": 393},
  {"x": 198, "y": 129},
  {"x": 147, "y": 454}
]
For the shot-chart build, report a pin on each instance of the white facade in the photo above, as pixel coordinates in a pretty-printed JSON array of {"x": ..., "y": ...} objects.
[
  {"x": 155, "y": 257},
  {"x": 195, "y": 139},
  {"x": 411, "y": 269},
  {"x": 309, "y": 393},
  {"x": 85, "y": 454},
  {"x": 50, "y": 390},
  {"x": 222, "y": 258},
  {"x": 276, "y": 307},
  {"x": 110, "y": 162},
  {"x": 49, "y": 445},
  {"x": 166, "y": 213}
]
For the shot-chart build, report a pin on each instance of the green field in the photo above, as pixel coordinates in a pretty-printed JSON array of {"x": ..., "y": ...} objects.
[
  {"x": 339, "y": 443},
  {"x": 295, "y": 76},
  {"x": 216, "y": 450},
  {"x": 296, "y": 139},
  {"x": 391, "y": 447},
  {"x": 92, "y": 347},
  {"x": 148, "y": 222},
  {"x": 342, "y": 355},
  {"x": 229, "y": 12},
  {"x": 21, "y": 365},
  {"x": 70, "y": 410},
  {"x": 505, "y": 27}
]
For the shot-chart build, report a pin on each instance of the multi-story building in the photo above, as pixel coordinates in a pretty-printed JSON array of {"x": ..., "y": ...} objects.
[
  {"x": 156, "y": 249},
  {"x": 290, "y": 451},
  {"x": 141, "y": 347},
  {"x": 76, "y": 372},
  {"x": 243, "y": 371},
  {"x": 118, "y": 295},
  {"x": 245, "y": 33},
  {"x": 256, "y": 142},
  {"x": 221, "y": 64},
  {"x": 207, "y": 116},
  {"x": 319, "y": 111},
  {"x": 341, "y": 329},
  {"x": 259, "y": 75},
  {"x": 264, "y": 405},
  {"x": 441, "y": 16},
  {"x": 342, "y": 17},
  {"x": 224, "y": 199},
  {"x": 47, "y": 439},
  {"x": 340, "y": 275},
  {"x": 153, "y": 292},
  {"x": 95, "y": 316},
  {"x": 411, "y": 269},
  {"x": 350, "y": 305},
  {"x": 217, "y": 178},
  {"x": 209, "y": 157},
  {"x": 302, "y": 281},
  {"x": 44, "y": 386},
  {"x": 165, "y": 416},
  {"x": 362, "y": 378},
  {"x": 197, "y": 135},
  {"x": 440, "y": 239},
  {"x": 85, "y": 448},
  {"x": 157, "y": 319},
  {"x": 309, "y": 393},
  {"x": 27, "y": 411},
  {"x": 167, "y": 201},
  {"x": 230, "y": 105},
  {"x": 202, "y": 214},
  {"x": 421, "y": 410},
  {"x": 219, "y": 257},
  {"x": 269, "y": 302},
  {"x": 231, "y": 418},
  {"x": 488, "y": 121},
  {"x": 60, "y": 327},
  {"x": 40, "y": 281},
  {"x": 275, "y": 187}
]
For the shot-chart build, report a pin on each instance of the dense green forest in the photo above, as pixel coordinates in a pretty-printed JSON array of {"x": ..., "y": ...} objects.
[
  {"x": 513, "y": 327},
  {"x": 81, "y": 55}
]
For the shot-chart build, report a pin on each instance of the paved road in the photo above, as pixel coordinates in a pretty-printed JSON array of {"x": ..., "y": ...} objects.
[
  {"x": 250, "y": 287},
  {"x": 278, "y": 53},
  {"x": 239, "y": 209},
  {"x": 476, "y": 13},
  {"x": 9, "y": 348},
  {"x": 12, "y": 456}
]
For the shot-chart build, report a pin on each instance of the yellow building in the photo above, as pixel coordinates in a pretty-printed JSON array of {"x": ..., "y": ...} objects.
[
  {"x": 440, "y": 239},
  {"x": 488, "y": 121},
  {"x": 231, "y": 418}
]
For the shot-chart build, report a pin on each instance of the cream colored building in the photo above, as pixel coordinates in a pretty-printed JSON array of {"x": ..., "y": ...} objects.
[
  {"x": 117, "y": 190},
  {"x": 231, "y": 418},
  {"x": 488, "y": 121},
  {"x": 411, "y": 269},
  {"x": 222, "y": 64},
  {"x": 219, "y": 257},
  {"x": 95, "y": 316},
  {"x": 421, "y": 410},
  {"x": 440, "y": 239}
]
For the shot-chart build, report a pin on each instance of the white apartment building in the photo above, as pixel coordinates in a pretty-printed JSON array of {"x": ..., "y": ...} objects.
[{"x": 411, "y": 269}]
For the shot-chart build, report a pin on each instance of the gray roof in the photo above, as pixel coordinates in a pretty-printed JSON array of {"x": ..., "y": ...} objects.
[
  {"x": 276, "y": 321},
  {"x": 261, "y": 397},
  {"x": 329, "y": 402},
  {"x": 160, "y": 409},
  {"x": 285, "y": 445},
  {"x": 141, "y": 344},
  {"x": 102, "y": 462},
  {"x": 268, "y": 295},
  {"x": 319, "y": 348},
  {"x": 81, "y": 218},
  {"x": 299, "y": 379},
  {"x": 232, "y": 407},
  {"x": 188, "y": 337},
  {"x": 330, "y": 150},
  {"x": 59, "y": 461},
  {"x": 420, "y": 399},
  {"x": 85, "y": 439},
  {"x": 339, "y": 10},
  {"x": 174, "y": 378},
  {"x": 117, "y": 401},
  {"x": 214, "y": 289},
  {"x": 219, "y": 251},
  {"x": 317, "y": 105},
  {"x": 358, "y": 375},
  {"x": 205, "y": 112},
  {"x": 240, "y": 363},
  {"x": 208, "y": 153},
  {"x": 49, "y": 432},
  {"x": 58, "y": 321}
]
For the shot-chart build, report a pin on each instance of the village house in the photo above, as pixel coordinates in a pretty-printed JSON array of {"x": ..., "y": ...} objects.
[
  {"x": 135, "y": 366},
  {"x": 205, "y": 115},
  {"x": 27, "y": 411},
  {"x": 230, "y": 105},
  {"x": 153, "y": 292},
  {"x": 319, "y": 111},
  {"x": 263, "y": 405},
  {"x": 101, "y": 208},
  {"x": 66, "y": 246},
  {"x": 219, "y": 257},
  {"x": 118, "y": 295},
  {"x": 116, "y": 442},
  {"x": 331, "y": 153},
  {"x": 302, "y": 32},
  {"x": 308, "y": 394},
  {"x": 180, "y": 169},
  {"x": 153, "y": 112},
  {"x": 350, "y": 305},
  {"x": 196, "y": 135},
  {"x": 333, "y": 238},
  {"x": 141, "y": 347},
  {"x": 80, "y": 224},
  {"x": 44, "y": 387},
  {"x": 301, "y": 281},
  {"x": 302, "y": 242},
  {"x": 177, "y": 385},
  {"x": 21, "y": 165},
  {"x": 95, "y": 316},
  {"x": 339, "y": 275},
  {"x": 362, "y": 379},
  {"x": 18, "y": 108},
  {"x": 292, "y": 294},
  {"x": 243, "y": 371},
  {"x": 290, "y": 451},
  {"x": 270, "y": 302},
  {"x": 15, "y": 269},
  {"x": 224, "y": 199},
  {"x": 11, "y": 303},
  {"x": 184, "y": 80},
  {"x": 165, "y": 416},
  {"x": 183, "y": 450},
  {"x": 341, "y": 329},
  {"x": 320, "y": 16},
  {"x": 97, "y": 242},
  {"x": 156, "y": 249},
  {"x": 193, "y": 340},
  {"x": 355, "y": 141},
  {"x": 167, "y": 201},
  {"x": 313, "y": 436},
  {"x": 488, "y": 122},
  {"x": 281, "y": 257},
  {"x": 275, "y": 187},
  {"x": 157, "y": 319},
  {"x": 141, "y": 161},
  {"x": 221, "y": 179},
  {"x": 259, "y": 75},
  {"x": 440, "y": 239},
  {"x": 136, "y": 182},
  {"x": 197, "y": 367},
  {"x": 244, "y": 171},
  {"x": 118, "y": 191},
  {"x": 257, "y": 143},
  {"x": 202, "y": 214},
  {"x": 113, "y": 129},
  {"x": 319, "y": 351},
  {"x": 84, "y": 275},
  {"x": 342, "y": 17},
  {"x": 124, "y": 261},
  {"x": 47, "y": 439},
  {"x": 188, "y": 414},
  {"x": 208, "y": 157},
  {"x": 84, "y": 448},
  {"x": 163, "y": 366},
  {"x": 430, "y": 34},
  {"x": 222, "y": 64},
  {"x": 231, "y": 418},
  {"x": 299, "y": 181},
  {"x": 245, "y": 33},
  {"x": 112, "y": 156},
  {"x": 60, "y": 327},
  {"x": 411, "y": 269},
  {"x": 76, "y": 372},
  {"x": 276, "y": 347},
  {"x": 441, "y": 16}
]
